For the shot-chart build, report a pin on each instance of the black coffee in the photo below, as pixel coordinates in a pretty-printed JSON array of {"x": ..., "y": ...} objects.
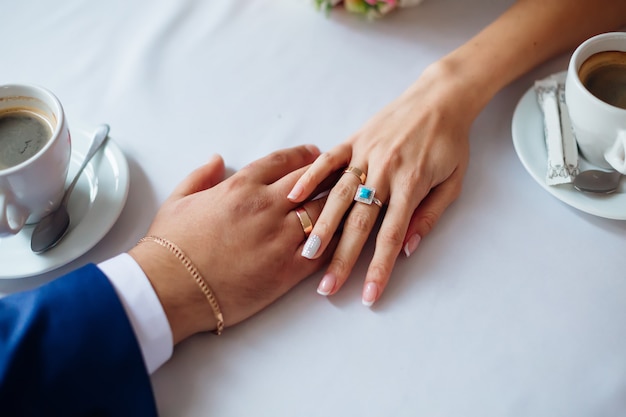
[
  {"x": 23, "y": 133},
  {"x": 604, "y": 75}
]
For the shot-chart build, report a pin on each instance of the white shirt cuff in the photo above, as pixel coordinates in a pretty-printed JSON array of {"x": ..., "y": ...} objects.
[{"x": 143, "y": 309}]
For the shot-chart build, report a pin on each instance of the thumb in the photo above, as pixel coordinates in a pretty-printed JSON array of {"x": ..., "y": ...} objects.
[{"x": 204, "y": 177}]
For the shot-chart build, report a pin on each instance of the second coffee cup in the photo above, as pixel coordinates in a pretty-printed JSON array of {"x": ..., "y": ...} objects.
[{"x": 595, "y": 92}]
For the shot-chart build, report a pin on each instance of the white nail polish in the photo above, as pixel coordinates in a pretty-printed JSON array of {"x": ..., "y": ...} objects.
[
  {"x": 411, "y": 244},
  {"x": 311, "y": 246},
  {"x": 407, "y": 253},
  {"x": 326, "y": 285},
  {"x": 369, "y": 294}
]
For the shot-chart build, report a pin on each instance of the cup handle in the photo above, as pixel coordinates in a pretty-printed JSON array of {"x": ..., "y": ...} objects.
[
  {"x": 12, "y": 218},
  {"x": 616, "y": 154}
]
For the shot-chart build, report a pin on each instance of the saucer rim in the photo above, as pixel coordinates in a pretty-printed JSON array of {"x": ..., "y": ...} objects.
[
  {"x": 117, "y": 171},
  {"x": 527, "y": 118}
]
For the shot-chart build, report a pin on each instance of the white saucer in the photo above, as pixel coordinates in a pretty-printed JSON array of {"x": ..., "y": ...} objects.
[
  {"x": 94, "y": 206},
  {"x": 529, "y": 142}
]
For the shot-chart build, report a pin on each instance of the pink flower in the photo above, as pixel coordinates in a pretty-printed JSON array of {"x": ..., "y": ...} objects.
[
  {"x": 369, "y": 8},
  {"x": 374, "y": 2}
]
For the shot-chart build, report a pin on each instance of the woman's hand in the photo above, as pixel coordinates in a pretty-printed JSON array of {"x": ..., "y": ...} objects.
[
  {"x": 414, "y": 154},
  {"x": 415, "y": 151},
  {"x": 243, "y": 236}
]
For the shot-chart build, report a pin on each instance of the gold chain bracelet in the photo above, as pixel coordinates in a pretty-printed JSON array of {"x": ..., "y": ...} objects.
[{"x": 195, "y": 274}]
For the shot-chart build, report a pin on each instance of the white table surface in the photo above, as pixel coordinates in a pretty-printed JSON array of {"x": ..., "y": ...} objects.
[{"x": 515, "y": 305}]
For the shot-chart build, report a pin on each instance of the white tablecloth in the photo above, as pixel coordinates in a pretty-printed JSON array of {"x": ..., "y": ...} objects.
[{"x": 515, "y": 305}]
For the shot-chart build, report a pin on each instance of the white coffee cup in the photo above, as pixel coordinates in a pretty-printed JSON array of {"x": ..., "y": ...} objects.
[
  {"x": 599, "y": 127},
  {"x": 32, "y": 188}
]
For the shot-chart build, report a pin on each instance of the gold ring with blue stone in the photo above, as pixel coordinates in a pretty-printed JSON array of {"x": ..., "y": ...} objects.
[{"x": 367, "y": 195}]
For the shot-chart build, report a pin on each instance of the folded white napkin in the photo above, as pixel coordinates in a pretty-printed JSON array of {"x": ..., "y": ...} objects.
[
  {"x": 562, "y": 164},
  {"x": 616, "y": 155}
]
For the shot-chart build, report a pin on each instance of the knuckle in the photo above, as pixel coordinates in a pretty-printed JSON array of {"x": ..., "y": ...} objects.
[
  {"x": 311, "y": 177},
  {"x": 342, "y": 191},
  {"x": 391, "y": 236},
  {"x": 327, "y": 158},
  {"x": 359, "y": 221},
  {"x": 428, "y": 219},
  {"x": 392, "y": 159},
  {"x": 321, "y": 229},
  {"x": 278, "y": 158},
  {"x": 237, "y": 182},
  {"x": 378, "y": 272},
  {"x": 252, "y": 205},
  {"x": 339, "y": 266},
  {"x": 417, "y": 181},
  {"x": 409, "y": 180}
]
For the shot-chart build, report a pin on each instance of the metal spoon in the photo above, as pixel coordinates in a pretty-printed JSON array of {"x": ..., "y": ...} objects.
[
  {"x": 51, "y": 229},
  {"x": 596, "y": 181}
]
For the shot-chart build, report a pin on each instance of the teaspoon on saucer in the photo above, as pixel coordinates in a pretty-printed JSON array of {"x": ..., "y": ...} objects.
[
  {"x": 51, "y": 229},
  {"x": 596, "y": 181}
]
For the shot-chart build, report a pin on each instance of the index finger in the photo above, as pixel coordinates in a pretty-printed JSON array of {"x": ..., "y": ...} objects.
[{"x": 280, "y": 163}]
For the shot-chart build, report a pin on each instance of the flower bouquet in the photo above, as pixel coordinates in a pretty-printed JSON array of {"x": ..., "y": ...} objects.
[{"x": 368, "y": 8}]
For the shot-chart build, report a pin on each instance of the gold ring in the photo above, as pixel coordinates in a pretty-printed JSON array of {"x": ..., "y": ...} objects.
[
  {"x": 305, "y": 220},
  {"x": 357, "y": 172}
]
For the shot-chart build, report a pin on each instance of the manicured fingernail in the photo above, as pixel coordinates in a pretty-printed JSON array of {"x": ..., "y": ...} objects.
[
  {"x": 311, "y": 246},
  {"x": 295, "y": 192},
  {"x": 369, "y": 294},
  {"x": 411, "y": 244},
  {"x": 326, "y": 284}
]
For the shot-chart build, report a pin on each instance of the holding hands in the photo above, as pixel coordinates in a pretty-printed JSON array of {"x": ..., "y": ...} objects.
[{"x": 405, "y": 165}]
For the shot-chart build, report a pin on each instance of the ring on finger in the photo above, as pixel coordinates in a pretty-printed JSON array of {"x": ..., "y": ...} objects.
[
  {"x": 305, "y": 220},
  {"x": 356, "y": 172},
  {"x": 367, "y": 195}
]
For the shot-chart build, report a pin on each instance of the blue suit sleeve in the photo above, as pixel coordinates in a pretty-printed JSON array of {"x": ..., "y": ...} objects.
[{"x": 68, "y": 349}]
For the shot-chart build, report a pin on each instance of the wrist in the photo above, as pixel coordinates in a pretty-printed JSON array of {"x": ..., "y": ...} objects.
[
  {"x": 184, "y": 304},
  {"x": 443, "y": 95},
  {"x": 464, "y": 91}
]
